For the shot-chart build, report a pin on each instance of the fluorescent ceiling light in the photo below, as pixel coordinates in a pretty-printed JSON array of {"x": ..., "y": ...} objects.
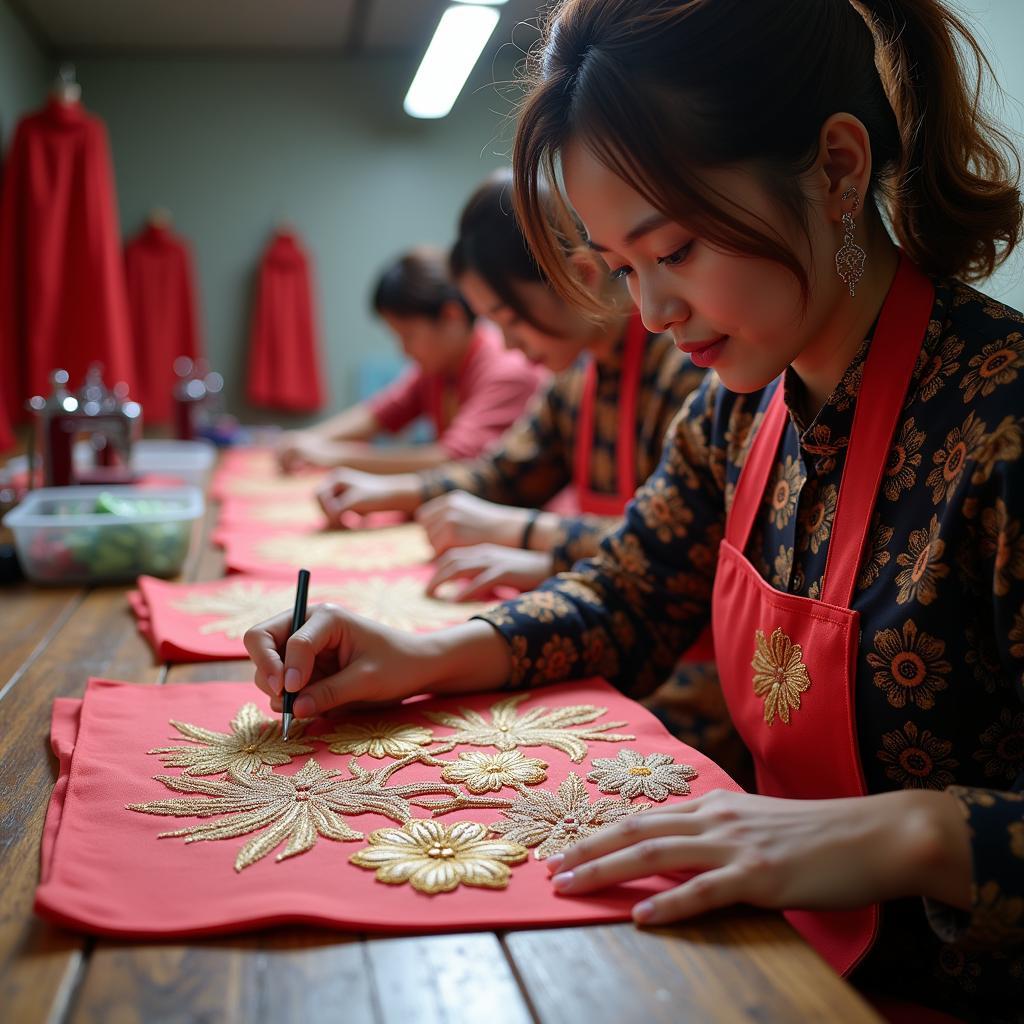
[{"x": 461, "y": 35}]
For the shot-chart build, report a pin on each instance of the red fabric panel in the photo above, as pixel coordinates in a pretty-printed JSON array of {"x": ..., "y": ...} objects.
[
  {"x": 205, "y": 621},
  {"x": 284, "y": 363},
  {"x": 62, "y": 292},
  {"x": 162, "y": 306},
  {"x": 108, "y": 873}
]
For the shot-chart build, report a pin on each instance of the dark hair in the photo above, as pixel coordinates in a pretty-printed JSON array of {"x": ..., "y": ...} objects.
[
  {"x": 490, "y": 243},
  {"x": 658, "y": 89},
  {"x": 417, "y": 284}
]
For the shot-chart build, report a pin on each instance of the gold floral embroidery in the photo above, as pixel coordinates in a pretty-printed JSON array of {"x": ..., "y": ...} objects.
[
  {"x": 549, "y": 821},
  {"x": 254, "y": 741},
  {"x": 910, "y": 666},
  {"x": 558, "y": 728},
  {"x": 1002, "y": 750},
  {"x": 904, "y": 458},
  {"x": 922, "y": 565},
  {"x": 1001, "y": 541},
  {"x": 390, "y": 547},
  {"x": 780, "y": 675},
  {"x": 631, "y": 774},
  {"x": 917, "y": 761},
  {"x": 553, "y": 822},
  {"x": 784, "y": 492},
  {"x": 435, "y": 858},
  {"x": 279, "y": 488},
  {"x": 403, "y": 604},
  {"x": 488, "y": 773},
  {"x": 240, "y": 604},
  {"x": 961, "y": 445},
  {"x": 297, "y": 808},
  {"x": 286, "y": 513},
  {"x": 997, "y": 363},
  {"x": 378, "y": 739}
]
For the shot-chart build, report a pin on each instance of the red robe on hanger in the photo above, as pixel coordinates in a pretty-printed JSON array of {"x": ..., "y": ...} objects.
[
  {"x": 6, "y": 434},
  {"x": 284, "y": 367},
  {"x": 161, "y": 304},
  {"x": 62, "y": 294}
]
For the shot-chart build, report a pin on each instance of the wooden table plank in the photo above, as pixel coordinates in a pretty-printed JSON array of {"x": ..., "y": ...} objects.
[
  {"x": 31, "y": 617},
  {"x": 273, "y": 977},
  {"x": 445, "y": 979},
  {"x": 735, "y": 966},
  {"x": 99, "y": 638},
  {"x": 95, "y": 636}
]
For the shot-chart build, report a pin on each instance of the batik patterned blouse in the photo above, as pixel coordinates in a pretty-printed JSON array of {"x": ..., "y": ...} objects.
[
  {"x": 534, "y": 460},
  {"x": 940, "y": 676}
]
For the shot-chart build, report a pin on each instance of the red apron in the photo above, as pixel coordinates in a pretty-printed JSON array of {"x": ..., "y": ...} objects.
[
  {"x": 788, "y": 664},
  {"x": 591, "y": 502}
]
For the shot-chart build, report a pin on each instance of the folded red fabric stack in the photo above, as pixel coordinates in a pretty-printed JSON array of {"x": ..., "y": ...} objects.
[{"x": 206, "y": 621}]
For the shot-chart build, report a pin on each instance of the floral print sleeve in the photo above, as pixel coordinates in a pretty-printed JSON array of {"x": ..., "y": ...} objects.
[
  {"x": 532, "y": 461},
  {"x": 627, "y": 613},
  {"x": 580, "y": 537}
]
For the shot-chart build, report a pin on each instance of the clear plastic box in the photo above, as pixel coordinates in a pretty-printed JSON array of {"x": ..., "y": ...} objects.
[
  {"x": 63, "y": 536},
  {"x": 190, "y": 461}
]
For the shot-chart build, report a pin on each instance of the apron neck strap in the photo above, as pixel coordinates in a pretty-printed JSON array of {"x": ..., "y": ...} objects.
[{"x": 887, "y": 373}]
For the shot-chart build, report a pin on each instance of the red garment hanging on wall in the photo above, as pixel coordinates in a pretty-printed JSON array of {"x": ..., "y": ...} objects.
[
  {"x": 161, "y": 304},
  {"x": 284, "y": 370},
  {"x": 6, "y": 435},
  {"x": 62, "y": 294}
]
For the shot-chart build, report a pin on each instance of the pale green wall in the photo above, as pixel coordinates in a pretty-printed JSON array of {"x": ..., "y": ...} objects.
[
  {"x": 233, "y": 146},
  {"x": 1000, "y": 27},
  {"x": 24, "y": 73}
]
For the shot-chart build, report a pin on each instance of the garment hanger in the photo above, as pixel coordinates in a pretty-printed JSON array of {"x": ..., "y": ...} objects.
[{"x": 65, "y": 88}]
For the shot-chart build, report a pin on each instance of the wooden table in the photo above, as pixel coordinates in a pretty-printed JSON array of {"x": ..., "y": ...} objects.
[{"x": 737, "y": 966}]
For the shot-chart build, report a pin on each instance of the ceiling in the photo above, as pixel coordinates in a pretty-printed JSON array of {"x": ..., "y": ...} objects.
[{"x": 353, "y": 27}]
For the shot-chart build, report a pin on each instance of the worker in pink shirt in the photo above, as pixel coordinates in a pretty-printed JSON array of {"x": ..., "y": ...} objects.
[{"x": 462, "y": 378}]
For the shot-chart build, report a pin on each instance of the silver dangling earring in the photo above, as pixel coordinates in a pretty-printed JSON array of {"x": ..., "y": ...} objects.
[{"x": 850, "y": 257}]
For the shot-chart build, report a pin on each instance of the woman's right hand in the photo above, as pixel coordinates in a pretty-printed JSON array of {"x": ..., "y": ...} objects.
[
  {"x": 336, "y": 658},
  {"x": 349, "y": 490},
  {"x": 339, "y": 659}
]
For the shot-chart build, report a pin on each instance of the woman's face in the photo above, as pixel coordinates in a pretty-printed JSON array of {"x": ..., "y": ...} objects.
[
  {"x": 556, "y": 349},
  {"x": 433, "y": 344},
  {"x": 743, "y": 315}
]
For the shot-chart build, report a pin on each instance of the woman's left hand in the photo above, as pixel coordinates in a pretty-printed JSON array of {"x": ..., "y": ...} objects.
[
  {"x": 458, "y": 520},
  {"x": 808, "y": 854}
]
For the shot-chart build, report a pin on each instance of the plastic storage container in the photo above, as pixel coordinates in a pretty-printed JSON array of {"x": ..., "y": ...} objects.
[
  {"x": 190, "y": 461},
  {"x": 99, "y": 534}
]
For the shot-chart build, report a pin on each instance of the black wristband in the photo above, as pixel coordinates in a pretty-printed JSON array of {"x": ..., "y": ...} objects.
[{"x": 531, "y": 521}]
